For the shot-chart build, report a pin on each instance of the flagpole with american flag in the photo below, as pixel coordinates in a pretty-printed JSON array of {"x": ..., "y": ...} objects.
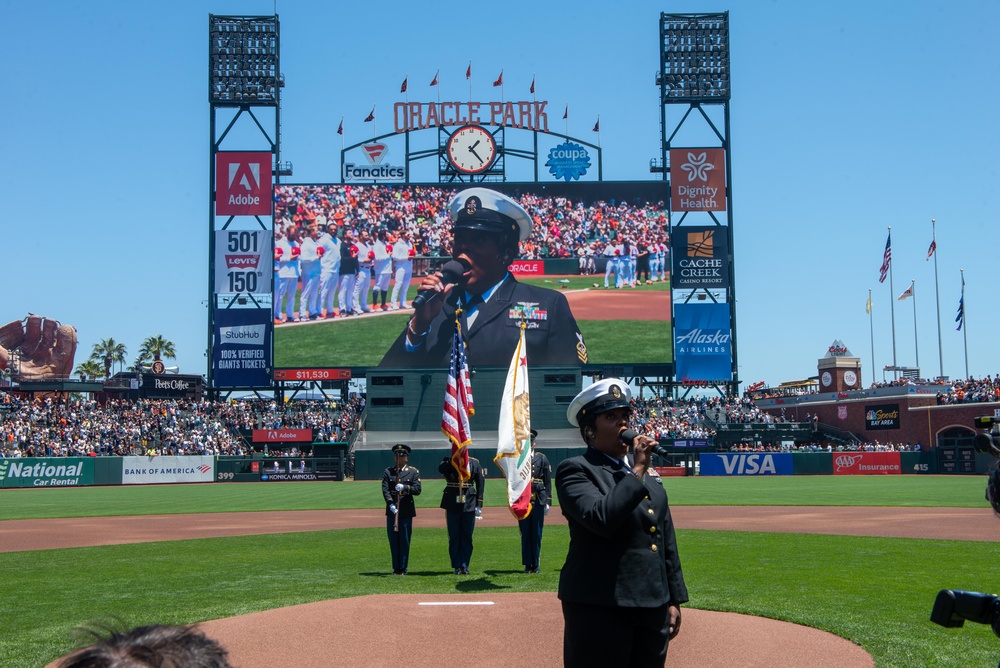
[
  {"x": 937, "y": 294},
  {"x": 514, "y": 433},
  {"x": 886, "y": 270},
  {"x": 458, "y": 404}
]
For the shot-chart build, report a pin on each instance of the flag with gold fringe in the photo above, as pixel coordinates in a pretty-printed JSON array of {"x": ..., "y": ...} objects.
[{"x": 514, "y": 433}]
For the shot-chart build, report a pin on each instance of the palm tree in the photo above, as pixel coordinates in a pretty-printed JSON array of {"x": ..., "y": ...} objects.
[
  {"x": 156, "y": 347},
  {"x": 109, "y": 351},
  {"x": 91, "y": 369}
]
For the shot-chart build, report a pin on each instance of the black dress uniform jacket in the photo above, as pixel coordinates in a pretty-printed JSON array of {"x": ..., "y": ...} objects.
[
  {"x": 551, "y": 335},
  {"x": 622, "y": 550},
  {"x": 472, "y": 489},
  {"x": 409, "y": 477}
]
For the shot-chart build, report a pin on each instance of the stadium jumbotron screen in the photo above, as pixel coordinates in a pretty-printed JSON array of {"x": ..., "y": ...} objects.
[{"x": 581, "y": 312}]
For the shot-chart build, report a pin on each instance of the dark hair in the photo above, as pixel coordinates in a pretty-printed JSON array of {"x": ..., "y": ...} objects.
[{"x": 155, "y": 646}]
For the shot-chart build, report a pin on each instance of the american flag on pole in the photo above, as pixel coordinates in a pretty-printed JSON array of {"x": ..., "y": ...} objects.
[
  {"x": 886, "y": 259},
  {"x": 514, "y": 432},
  {"x": 930, "y": 251},
  {"x": 458, "y": 406}
]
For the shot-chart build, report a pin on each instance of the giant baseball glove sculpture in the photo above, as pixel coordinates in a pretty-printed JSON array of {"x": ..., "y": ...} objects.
[{"x": 46, "y": 347}]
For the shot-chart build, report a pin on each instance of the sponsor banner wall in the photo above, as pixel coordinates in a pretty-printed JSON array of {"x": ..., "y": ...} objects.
[
  {"x": 47, "y": 472},
  {"x": 244, "y": 261},
  {"x": 882, "y": 416},
  {"x": 866, "y": 463},
  {"x": 167, "y": 469},
  {"x": 746, "y": 463},
  {"x": 700, "y": 258},
  {"x": 270, "y": 476},
  {"x": 703, "y": 342},
  {"x": 698, "y": 179},
  {"x": 242, "y": 350}
]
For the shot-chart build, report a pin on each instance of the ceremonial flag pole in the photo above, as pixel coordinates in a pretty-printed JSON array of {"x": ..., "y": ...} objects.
[
  {"x": 514, "y": 433},
  {"x": 937, "y": 293},
  {"x": 887, "y": 270},
  {"x": 458, "y": 404}
]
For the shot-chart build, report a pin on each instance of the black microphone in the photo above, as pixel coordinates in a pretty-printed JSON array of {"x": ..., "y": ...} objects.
[
  {"x": 451, "y": 272},
  {"x": 628, "y": 436}
]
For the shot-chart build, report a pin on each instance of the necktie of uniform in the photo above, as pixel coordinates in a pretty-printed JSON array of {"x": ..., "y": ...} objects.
[{"x": 471, "y": 309}]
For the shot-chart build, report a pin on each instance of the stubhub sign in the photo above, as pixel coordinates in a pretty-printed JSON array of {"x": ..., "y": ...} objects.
[{"x": 746, "y": 463}]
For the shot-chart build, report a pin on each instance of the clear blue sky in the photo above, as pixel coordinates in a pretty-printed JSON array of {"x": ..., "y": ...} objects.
[{"x": 846, "y": 118}]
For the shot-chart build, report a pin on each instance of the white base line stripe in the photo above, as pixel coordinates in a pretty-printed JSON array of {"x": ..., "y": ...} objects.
[{"x": 455, "y": 603}]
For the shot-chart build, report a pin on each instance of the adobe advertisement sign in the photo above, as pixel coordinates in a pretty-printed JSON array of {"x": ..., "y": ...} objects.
[
  {"x": 242, "y": 348},
  {"x": 866, "y": 463},
  {"x": 883, "y": 416},
  {"x": 703, "y": 343},
  {"x": 243, "y": 183},
  {"x": 282, "y": 436},
  {"x": 243, "y": 261},
  {"x": 700, "y": 257},
  {"x": 697, "y": 179}
]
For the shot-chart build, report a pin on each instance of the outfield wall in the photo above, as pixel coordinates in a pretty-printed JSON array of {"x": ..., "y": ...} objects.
[{"x": 86, "y": 471}]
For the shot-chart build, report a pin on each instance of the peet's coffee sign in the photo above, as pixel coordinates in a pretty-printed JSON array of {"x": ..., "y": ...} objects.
[{"x": 885, "y": 416}]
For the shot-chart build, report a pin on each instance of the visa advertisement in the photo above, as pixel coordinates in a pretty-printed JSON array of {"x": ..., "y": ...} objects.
[{"x": 746, "y": 463}]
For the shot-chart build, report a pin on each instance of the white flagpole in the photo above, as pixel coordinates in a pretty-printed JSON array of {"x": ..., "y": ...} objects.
[
  {"x": 892, "y": 308},
  {"x": 913, "y": 295},
  {"x": 937, "y": 294},
  {"x": 965, "y": 328},
  {"x": 871, "y": 332}
]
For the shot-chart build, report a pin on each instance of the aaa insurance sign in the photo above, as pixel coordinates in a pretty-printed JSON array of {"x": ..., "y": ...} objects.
[
  {"x": 697, "y": 179},
  {"x": 243, "y": 184}
]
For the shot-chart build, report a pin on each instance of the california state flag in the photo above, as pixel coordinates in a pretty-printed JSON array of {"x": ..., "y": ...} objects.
[{"x": 514, "y": 444}]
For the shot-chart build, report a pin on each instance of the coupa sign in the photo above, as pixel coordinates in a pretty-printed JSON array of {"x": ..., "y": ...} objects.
[
  {"x": 61, "y": 472},
  {"x": 746, "y": 463}
]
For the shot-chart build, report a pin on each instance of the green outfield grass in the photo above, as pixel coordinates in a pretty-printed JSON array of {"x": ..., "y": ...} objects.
[
  {"x": 876, "y": 592},
  {"x": 910, "y": 490}
]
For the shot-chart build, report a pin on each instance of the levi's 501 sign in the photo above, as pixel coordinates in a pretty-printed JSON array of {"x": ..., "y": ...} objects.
[
  {"x": 243, "y": 183},
  {"x": 243, "y": 261}
]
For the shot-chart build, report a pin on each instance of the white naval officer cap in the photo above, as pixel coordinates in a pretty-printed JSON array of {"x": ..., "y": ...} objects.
[
  {"x": 489, "y": 211},
  {"x": 602, "y": 396}
]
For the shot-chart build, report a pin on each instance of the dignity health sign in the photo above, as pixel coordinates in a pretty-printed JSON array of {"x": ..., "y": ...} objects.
[{"x": 697, "y": 179}]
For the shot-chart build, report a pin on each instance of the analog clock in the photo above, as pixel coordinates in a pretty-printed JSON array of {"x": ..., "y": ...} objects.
[{"x": 471, "y": 149}]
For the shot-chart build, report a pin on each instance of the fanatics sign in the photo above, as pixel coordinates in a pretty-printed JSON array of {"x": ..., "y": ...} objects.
[
  {"x": 698, "y": 179},
  {"x": 243, "y": 184}
]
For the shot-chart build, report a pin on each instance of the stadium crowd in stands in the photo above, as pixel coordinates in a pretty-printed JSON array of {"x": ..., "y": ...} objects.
[
  {"x": 563, "y": 228},
  {"x": 47, "y": 428}
]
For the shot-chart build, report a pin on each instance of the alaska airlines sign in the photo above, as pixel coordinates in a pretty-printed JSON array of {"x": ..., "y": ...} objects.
[{"x": 409, "y": 116}]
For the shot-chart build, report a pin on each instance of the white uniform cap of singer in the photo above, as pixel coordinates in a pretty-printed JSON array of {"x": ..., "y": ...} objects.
[
  {"x": 490, "y": 211},
  {"x": 602, "y": 396}
]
